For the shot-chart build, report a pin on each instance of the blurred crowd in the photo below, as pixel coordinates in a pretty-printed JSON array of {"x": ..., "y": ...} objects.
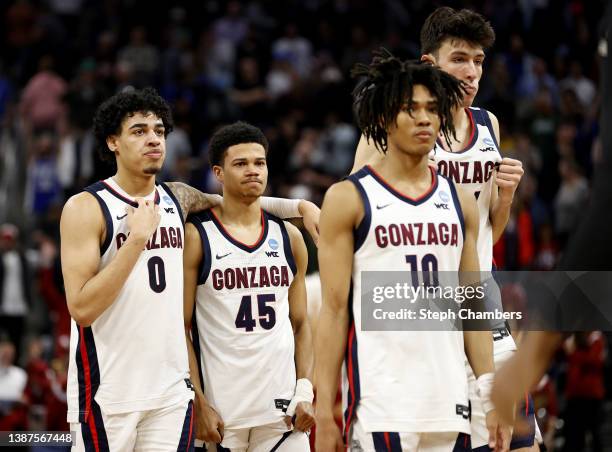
[{"x": 285, "y": 67}]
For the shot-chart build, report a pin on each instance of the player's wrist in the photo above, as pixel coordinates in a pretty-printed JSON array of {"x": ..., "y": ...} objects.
[
  {"x": 484, "y": 387},
  {"x": 303, "y": 393}
]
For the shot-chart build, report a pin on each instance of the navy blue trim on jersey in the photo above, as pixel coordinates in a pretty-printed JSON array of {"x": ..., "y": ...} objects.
[
  {"x": 458, "y": 208},
  {"x": 88, "y": 373},
  {"x": 108, "y": 220},
  {"x": 220, "y": 448},
  {"x": 464, "y": 443},
  {"x": 195, "y": 337},
  {"x": 204, "y": 268},
  {"x": 173, "y": 197},
  {"x": 387, "y": 441},
  {"x": 487, "y": 121},
  {"x": 473, "y": 137},
  {"x": 361, "y": 233},
  {"x": 237, "y": 243},
  {"x": 415, "y": 202},
  {"x": 286, "y": 241},
  {"x": 283, "y": 438},
  {"x": 185, "y": 442},
  {"x": 118, "y": 195},
  {"x": 352, "y": 372}
]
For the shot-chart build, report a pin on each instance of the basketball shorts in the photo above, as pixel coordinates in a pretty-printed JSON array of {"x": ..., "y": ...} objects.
[
  {"x": 362, "y": 441},
  {"x": 162, "y": 429}
]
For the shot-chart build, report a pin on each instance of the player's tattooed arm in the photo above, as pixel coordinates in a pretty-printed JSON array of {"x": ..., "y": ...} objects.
[{"x": 191, "y": 199}]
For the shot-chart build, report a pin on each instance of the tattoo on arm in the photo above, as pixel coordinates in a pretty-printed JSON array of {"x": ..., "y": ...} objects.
[{"x": 191, "y": 199}]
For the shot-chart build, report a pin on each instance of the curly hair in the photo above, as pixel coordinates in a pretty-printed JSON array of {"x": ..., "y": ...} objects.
[
  {"x": 387, "y": 84},
  {"x": 230, "y": 135},
  {"x": 445, "y": 23},
  {"x": 112, "y": 112}
]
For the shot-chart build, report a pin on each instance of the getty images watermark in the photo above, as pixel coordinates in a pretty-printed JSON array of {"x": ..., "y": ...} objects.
[{"x": 452, "y": 301}]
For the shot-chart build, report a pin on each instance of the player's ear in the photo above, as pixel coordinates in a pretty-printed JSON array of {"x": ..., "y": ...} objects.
[
  {"x": 428, "y": 58},
  {"x": 218, "y": 172},
  {"x": 111, "y": 142}
]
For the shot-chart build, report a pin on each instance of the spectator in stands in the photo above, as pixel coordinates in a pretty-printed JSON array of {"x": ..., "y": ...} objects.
[
  {"x": 13, "y": 412},
  {"x": 15, "y": 285}
]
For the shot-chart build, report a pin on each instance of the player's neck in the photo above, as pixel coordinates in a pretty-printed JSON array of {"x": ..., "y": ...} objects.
[
  {"x": 463, "y": 126},
  {"x": 239, "y": 211},
  {"x": 397, "y": 166},
  {"x": 135, "y": 185}
]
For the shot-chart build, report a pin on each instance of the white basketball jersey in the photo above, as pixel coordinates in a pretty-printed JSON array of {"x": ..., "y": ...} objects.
[
  {"x": 242, "y": 332},
  {"x": 473, "y": 169},
  {"x": 133, "y": 357},
  {"x": 405, "y": 381}
]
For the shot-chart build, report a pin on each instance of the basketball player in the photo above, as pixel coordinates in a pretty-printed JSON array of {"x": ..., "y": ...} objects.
[
  {"x": 406, "y": 390},
  {"x": 122, "y": 253},
  {"x": 456, "y": 41},
  {"x": 244, "y": 273}
]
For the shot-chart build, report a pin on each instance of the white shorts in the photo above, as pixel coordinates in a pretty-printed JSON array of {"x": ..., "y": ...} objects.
[
  {"x": 362, "y": 441},
  {"x": 162, "y": 429},
  {"x": 264, "y": 438}
]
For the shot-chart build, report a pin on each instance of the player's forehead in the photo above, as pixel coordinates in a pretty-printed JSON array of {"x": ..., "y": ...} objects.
[
  {"x": 249, "y": 151},
  {"x": 422, "y": 95},
  {"x": 147, "y": 118},
  {"x": 454, "y": 45}
]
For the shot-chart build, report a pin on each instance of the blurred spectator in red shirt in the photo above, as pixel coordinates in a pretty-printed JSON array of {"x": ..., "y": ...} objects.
[{"x": 584, "y": 390}]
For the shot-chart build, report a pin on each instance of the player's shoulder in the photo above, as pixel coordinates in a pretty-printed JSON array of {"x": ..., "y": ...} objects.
[{"x": 83, "y": 202}]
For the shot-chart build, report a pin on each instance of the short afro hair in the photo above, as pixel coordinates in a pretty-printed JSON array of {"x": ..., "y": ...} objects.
[
  {"x": 446, "y": 23},
  {"x": 230, "y": 135},
  {"x": 386, "y": 85},
  {"x": 112, "y": 112}
]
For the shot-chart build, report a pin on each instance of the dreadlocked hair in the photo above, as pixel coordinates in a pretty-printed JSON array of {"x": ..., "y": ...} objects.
[{"x": 386, "y": 85}]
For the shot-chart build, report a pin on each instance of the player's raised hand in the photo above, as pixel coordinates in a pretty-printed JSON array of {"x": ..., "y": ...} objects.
[
  {"x": 329, "y": 438},
  {"x": 304, "y": 416},
  {"x": 499, "y": 433},
  {"x": 209, "y": 425},
  {"x": 508, "y": 176},
  {"x": 143, "y": 220}
]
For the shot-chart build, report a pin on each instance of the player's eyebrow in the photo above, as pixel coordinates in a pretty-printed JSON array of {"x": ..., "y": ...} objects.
[{"x": 144, "y": 125}]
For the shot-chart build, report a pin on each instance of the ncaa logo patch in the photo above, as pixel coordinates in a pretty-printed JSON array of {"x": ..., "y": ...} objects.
[
  {"x": 444, "y": 196},
  {"x": 167, "y": 199},
  {"x": 488, "y": 141},
  {"x": 273, "y": 244}
]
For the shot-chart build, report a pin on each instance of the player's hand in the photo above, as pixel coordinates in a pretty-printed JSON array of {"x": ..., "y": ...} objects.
[
  {"x": 328, "y": 437},
  {"x": 500, "y": 433},
  {"x": 310, "y": 216},
  {"x": 209, "y": 425},
  {"x": 143, "y": 220},
  {"x": 507, "y": 177},
  {"x": 304, "y": 417}
]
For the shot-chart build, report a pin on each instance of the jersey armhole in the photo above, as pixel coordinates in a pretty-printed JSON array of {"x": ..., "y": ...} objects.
[
  {"x": 206, "y": 262},
  {"x": 92, "y": 189},
  {"x": 174, "y": 200},
  {"x": 458, "y": 208},
  {"x": 487, "y": 120},
  {"x": 286, "y": 243},
  {"x": 361, "y": 231}
]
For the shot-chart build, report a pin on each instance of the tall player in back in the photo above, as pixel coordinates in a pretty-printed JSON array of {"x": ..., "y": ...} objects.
[
  {"x": 406, "y": 390},
  {"x": 122, "y": 253},
  {"x": 455, "y": 41},
  {"x": 244, "y": 275}
]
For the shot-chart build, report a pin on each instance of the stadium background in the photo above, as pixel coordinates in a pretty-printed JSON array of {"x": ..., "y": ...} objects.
[{"x": 283, "y": 66}]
